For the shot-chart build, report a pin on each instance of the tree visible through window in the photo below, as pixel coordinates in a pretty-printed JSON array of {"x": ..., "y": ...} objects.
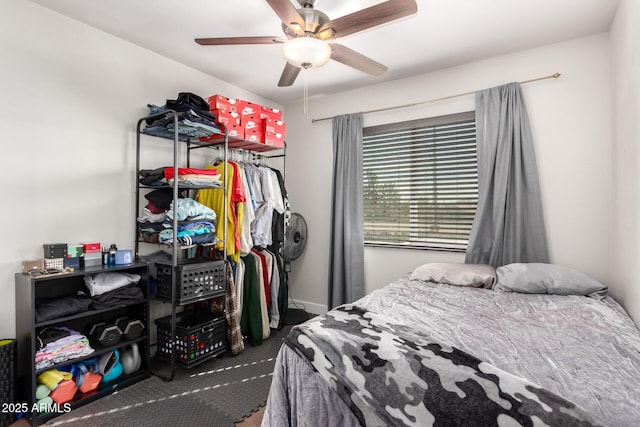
[{"x": 421, "y": 182}]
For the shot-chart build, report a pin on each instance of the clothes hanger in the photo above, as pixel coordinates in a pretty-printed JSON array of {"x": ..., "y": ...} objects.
[{"x": 218, "y": 157}]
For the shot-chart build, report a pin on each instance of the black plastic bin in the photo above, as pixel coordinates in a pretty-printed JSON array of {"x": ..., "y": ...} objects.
[
  {"x": 198, "y": 337},
  {"x": 195, "y": 280},
  {"x": 7, "y": 380}
]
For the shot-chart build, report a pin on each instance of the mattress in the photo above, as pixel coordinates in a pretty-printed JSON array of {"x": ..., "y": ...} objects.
[{"x": 582, "y": 349}]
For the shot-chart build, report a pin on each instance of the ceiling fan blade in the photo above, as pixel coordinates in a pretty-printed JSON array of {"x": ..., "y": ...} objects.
[
  {"x": 237, "y": 40},
  {"x": 356, "y": 60},
  {"x": 389, "y": 10},
  {"x": 289, "y": 75},
  {"x": 288, "y": 15}
]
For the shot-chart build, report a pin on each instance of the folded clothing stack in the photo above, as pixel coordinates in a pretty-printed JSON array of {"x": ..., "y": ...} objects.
[
  {"x": 194, "y": 118},
  {"x": 196, "y": 222},
  {"x": 113, "y": 288},
  {"x": 164, "y": 176},
  {"x": 59, "y": 344}
]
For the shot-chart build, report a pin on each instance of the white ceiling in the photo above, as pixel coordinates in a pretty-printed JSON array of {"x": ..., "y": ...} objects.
[{"x": 442, "y": 34}]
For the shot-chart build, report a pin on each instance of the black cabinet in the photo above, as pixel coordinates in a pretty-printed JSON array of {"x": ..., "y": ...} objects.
[{"x": 31, "y": 291}]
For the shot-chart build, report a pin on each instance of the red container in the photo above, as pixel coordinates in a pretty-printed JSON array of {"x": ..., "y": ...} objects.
[
  {"x": 274, "y": 139},
  {"x": 252, "y": 122},
  {"x": 92, "y": 247},
  {"x": 270, "y": 113},
  {"x": 274, "y": 126},
  {"x": 254, "y": 135},
  {"x": 226, "y": 117},
  {"x": 222, "y": 103},
  {"x": 249, "y": 109},
  {"x": 236, "y": 131}
]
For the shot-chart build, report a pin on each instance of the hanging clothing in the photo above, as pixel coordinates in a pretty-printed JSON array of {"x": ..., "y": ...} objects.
[
  {"x": 239, "y": 279},
  {"x": 234, "y": 332},
  {"x": 268, "y": 258},
  {"x": 278, "y": 202},
  {"x": 279, "y": 281},
  {"x": 264, "y": 312},
  {"x": 248, "y": 215},
  {"x": 238, "y": 198},
  {"x": 280, "y": 219},
  {"x": 213, "y": 198},
  {"x": 274, "y": 309},
  {"x": 266, "y": 274},
  {"x": 272, "y": 201},
  {"x": 257, "y": 210},
  {"x": 251, "y": 319},
  {"x": 283, "y": 291}
]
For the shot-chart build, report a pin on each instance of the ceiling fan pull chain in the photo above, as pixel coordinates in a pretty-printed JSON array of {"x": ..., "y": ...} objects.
[{"x": 305, "y": 93}]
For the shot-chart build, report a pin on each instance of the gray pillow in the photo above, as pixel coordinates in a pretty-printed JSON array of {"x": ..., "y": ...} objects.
[
  {"x": 474, "y": 275},
  {"x": 540, "y": 278}
]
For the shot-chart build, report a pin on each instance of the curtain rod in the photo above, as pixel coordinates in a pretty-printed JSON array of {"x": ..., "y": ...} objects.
[{"x": 552, "y": 76}]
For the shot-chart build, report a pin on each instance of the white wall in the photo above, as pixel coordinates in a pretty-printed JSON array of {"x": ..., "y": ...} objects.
[
  {"x": 71, "y": 97},
  {"x": 571, "y": 124},
  {"x": 625, "y": 236}
]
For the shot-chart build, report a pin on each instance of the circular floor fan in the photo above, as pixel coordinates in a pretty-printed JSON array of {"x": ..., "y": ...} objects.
[{"x": 295, "y": 237}]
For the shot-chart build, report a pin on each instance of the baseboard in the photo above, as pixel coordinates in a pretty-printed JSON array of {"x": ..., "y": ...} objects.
[{"x": 309, "y": 307}]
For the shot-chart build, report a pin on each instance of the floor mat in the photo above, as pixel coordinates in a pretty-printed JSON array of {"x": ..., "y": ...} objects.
[{"x": 219, "y": 392}]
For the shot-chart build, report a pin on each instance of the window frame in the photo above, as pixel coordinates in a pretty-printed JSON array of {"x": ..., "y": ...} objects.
[{"x": 414, "y": 125}]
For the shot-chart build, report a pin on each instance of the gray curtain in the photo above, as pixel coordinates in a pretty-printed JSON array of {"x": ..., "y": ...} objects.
[
  {"x": 508, "y": 226},
  {"x": 346, "y": 260}
]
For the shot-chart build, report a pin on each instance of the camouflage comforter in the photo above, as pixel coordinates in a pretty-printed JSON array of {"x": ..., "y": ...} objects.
[{"x": 388, "y": 374}]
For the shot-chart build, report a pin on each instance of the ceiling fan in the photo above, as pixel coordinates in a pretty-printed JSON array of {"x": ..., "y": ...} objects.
[{"x": 306, "y": 30}]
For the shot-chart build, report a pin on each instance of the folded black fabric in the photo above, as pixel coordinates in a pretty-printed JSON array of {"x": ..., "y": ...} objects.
[
  {"x": 161, "y": 198},
  {"x": 149, "y": 176},
  {"x": 194, "y": 100},
  {"x": 54, "y": 308},
  {"x": 49, "y": 335},
  {"x": 129, "y": 294}
]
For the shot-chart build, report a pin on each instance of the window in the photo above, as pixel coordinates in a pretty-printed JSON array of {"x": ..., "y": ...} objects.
[{"x": 421, "y": 182}]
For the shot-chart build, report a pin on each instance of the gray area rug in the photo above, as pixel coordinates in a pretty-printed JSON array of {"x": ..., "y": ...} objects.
[{"x": 219, "y": 392}]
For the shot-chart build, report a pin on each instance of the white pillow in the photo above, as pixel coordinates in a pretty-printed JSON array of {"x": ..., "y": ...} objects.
[
  {"x": 458, "y": 274},
  {"x": 541, "y": 278}
]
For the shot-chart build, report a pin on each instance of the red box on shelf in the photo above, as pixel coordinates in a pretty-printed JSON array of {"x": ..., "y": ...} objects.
[
  {"x": 222, "y": 103},
  {"x": 91, "y": 247},
  {"x": 270, "y": 113},
  {"x": 254, "y": 135},
  {"x": 252, "y": 122},
  {"x": 237, "y": 131},
  {"x": 274, "y": 126},
  {"x": 226, "y": 117},
  {"x": 274, "y": 139},
  {"x": 249, "y": 109}
]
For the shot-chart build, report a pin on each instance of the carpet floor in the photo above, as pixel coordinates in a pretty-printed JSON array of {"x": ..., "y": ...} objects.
[{"x": 219, "y": 392}]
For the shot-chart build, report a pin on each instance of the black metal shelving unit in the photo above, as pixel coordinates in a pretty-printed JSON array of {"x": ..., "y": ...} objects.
[
  {"x": 215, "y": 140},
  {"x": 29, "y": 289}
]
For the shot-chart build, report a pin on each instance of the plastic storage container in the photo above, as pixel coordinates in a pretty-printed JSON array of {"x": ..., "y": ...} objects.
[
  {"x": 195, "y": 280},
  {"x": 199, "y": 337}
]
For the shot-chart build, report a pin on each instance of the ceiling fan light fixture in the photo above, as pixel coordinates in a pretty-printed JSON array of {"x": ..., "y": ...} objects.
[{"x": 306, "y": 52}]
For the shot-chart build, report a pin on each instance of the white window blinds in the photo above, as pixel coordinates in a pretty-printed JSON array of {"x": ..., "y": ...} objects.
[{"x": 421, "y": 182}]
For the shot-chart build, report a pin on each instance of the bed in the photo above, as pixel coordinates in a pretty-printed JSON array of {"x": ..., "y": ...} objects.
[{"x": 440, "y": 353}]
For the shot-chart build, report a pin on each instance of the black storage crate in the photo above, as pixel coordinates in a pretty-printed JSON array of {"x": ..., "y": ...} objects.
[
  {"x": 198, "y": 337},
  {"x": 195, "y": 280},
  {"x": 7, "y": 380}
]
